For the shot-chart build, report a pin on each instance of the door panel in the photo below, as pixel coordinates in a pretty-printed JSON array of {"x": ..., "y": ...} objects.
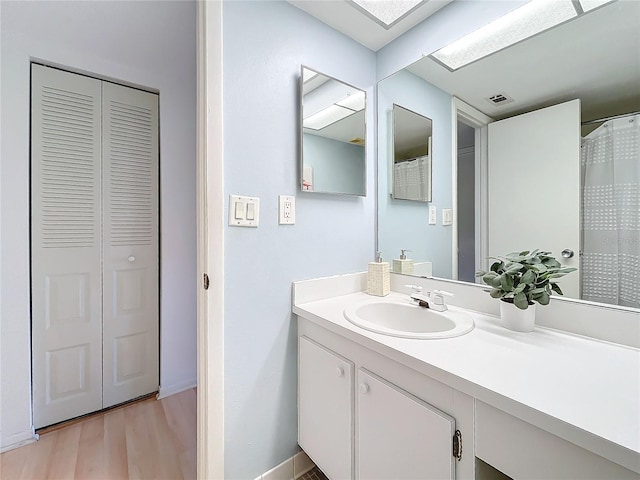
[
  {"x": 534, "y": 189},
  {"x": 399, "y": 436},
  {"x": 325, "y": 408},
  {"x": 65, "y": 245},
  {"x": 131, "y": 256}
]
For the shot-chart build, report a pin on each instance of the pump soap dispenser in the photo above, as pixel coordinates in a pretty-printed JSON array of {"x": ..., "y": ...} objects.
[
  {"x": 404, "y": 264},
  {"x": 378, "y": 281}
]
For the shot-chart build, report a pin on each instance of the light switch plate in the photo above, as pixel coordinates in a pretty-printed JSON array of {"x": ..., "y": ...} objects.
[
  {"x": 242, "y": 209},
  {"x": 447, "y": 216},
  {"x": 432, "y": 214},
  {"x": 286, "y": 209}
]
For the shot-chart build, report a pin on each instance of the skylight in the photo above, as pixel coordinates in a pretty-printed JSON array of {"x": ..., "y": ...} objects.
[{"x": 387, "y": 12}]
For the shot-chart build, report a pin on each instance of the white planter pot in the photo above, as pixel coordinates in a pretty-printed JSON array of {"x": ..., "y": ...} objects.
[{"x": 515, "y": 319}]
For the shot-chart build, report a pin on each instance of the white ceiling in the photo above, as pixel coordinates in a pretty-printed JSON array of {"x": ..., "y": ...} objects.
[
  {"x": 595, "y": 57},
  {"x": 344, "y": 17}
]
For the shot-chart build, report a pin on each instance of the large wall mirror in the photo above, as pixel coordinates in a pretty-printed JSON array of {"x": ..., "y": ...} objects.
[
  {"x": 411, "y": 159},
  {"x": 581, "y": 81},
  {"x": 333, "y": 158}
]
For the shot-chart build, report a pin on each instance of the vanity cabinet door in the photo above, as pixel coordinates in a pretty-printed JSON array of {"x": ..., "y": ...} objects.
[
  {"x": 325, "y": 408},
  {"x": 400, "y": 436}
]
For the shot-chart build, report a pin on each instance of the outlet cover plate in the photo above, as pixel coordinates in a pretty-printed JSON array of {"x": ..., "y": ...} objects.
[
  {"x": 432, "y": 214},
  {"x": 447, "y": 216},
  {"x": 286, "y": 209}
]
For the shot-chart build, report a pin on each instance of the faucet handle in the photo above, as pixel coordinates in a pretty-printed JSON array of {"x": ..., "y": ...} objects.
[
  {"x": 444, "y": 293},
  {"x": 415, "y": 288},
  {"x": 437, "y": 297}
]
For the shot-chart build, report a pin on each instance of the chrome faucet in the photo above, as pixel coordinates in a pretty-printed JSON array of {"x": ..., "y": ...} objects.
[{"x": 433, "y": 300}]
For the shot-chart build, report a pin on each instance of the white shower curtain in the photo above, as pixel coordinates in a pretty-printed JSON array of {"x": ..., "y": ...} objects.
[{"x": 611, "y": 213}]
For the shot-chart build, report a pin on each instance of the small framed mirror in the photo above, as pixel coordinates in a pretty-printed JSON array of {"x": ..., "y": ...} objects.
[
  {"x": 333, "y": 131},
  {"x": 412, "y": 151}
]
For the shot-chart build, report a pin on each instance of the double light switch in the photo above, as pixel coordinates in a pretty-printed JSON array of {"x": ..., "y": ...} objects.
[{"x": 244, "y": 211}]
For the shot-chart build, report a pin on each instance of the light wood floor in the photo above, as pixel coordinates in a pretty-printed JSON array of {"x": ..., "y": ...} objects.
[{"x": 147, "y": 440}]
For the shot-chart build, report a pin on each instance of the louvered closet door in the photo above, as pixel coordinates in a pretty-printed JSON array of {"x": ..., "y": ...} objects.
[
  {"x": 130, "y": 191},
  {"x": 65, "y": 248}
]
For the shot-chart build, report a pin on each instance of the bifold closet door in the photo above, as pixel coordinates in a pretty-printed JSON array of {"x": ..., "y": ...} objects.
[
  {"x": 130, "y": 222},
  {"x": 94, "y": 244},
  {"x": 65, "y": 245}
]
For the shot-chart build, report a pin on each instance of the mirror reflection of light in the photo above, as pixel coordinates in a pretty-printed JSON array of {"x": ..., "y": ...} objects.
[
  {"x": 333, "y": 113},
  {"x": 326, "y": 117},
  {"x": 530, "y": 19},
  {"x": 354, "y": 102},
  {"x": 308, "y": 75}
]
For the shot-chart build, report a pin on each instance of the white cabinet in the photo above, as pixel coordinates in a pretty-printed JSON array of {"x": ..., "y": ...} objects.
[
  {"x": 400, "y": 436},
  {"x": 371, "y": 428},
  {"x": 325, "y": 408}
]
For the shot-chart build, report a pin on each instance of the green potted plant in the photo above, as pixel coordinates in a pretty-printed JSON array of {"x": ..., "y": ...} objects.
[{"x": 519, "y": 279}]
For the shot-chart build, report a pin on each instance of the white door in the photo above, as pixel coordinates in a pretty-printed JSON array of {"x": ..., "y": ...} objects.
[
  {"x": 325, "y": 408},
  {"x": 399, "y": 436},
  {"x": 65, "y": 245},
  {"x": 131, "y": 257},
  {"x": 534, "y": 189}
]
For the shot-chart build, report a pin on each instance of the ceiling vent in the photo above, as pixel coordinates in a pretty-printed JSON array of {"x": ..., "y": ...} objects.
[
  {"x": 357, "y": 141},
  {"x": 500, "y": 99}
]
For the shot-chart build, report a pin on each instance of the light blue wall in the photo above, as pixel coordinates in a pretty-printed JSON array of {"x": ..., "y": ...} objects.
[
  {"x": 337, "y": 166},
  {"x": 404, "y": 223},
  {"x": 264, "y": 45}
]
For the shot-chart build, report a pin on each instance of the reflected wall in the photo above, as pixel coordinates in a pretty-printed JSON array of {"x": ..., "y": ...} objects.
[{"x": 404, "y": 224}]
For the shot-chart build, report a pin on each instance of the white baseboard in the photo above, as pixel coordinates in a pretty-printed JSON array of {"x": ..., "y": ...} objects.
[
  {"x": 18, "y": 440},
  {"x": 291, "y": 469},
  {"x": 169, "y": 390}
]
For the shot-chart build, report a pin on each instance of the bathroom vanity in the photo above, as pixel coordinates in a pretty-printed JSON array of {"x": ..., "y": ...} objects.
[{"x": 546, "y": 404}]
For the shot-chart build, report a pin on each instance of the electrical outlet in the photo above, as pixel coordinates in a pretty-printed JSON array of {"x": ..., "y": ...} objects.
[
  {"x": 432, "y": 214},
  {"x": 287, "y": 209}
]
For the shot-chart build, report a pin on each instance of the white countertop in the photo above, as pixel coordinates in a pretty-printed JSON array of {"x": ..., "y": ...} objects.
[{"x": 586, "y": 391}]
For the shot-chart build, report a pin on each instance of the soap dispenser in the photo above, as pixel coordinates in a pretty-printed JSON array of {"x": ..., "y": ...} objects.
[
  {"x": 403, "y": 264},
  {"x": 378, "y": 278}
]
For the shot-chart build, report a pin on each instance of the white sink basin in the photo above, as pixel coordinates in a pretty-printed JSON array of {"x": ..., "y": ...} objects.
[{"x": 404, "y": 319}]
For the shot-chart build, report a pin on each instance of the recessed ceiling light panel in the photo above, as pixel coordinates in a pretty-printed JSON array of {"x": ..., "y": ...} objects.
[
  {"x": 387, "y": 12},
  {"x": 591, "y": 4},
  {"x": 532, "y": 18}
]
